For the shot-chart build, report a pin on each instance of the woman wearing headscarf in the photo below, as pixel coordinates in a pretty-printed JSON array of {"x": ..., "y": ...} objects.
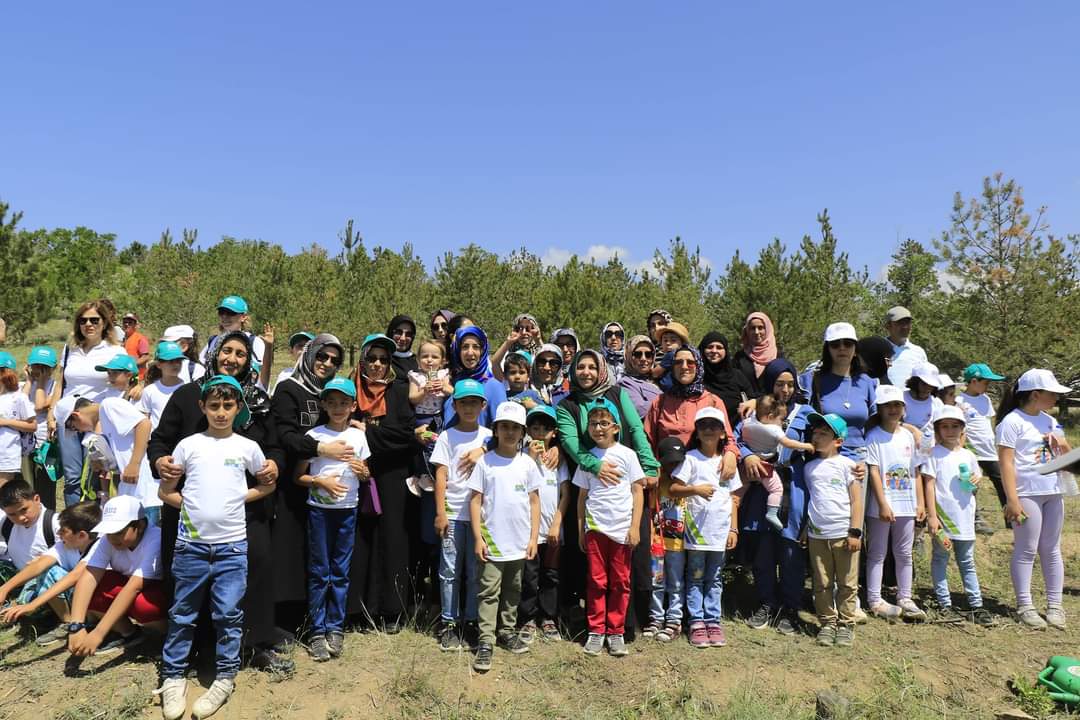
[
  {"x": 469, "y": 360},
  {"x": 758, "y": 348},
  {"x": 547, "y": 376},
  {"x": 524, "y": 337},
  {"x": 230, "y": 354},
  {"x": 440, "y": 322},
  {"x": 612, "y": 338},
  {"x": 875, "y": 354},
  {"x": 722, "y": 378},
  {"x": 637, "y": 379},
  {"x": 379, "y": 584},
  {"x": 402, "y": 330},
  {"x": 655, "y": 322},
  {"x": 589, "y": 381}
]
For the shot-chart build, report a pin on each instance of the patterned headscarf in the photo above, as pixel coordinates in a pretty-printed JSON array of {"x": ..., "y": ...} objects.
[
  {"x": 458, "y": 371},
  {"x": 672, "y": 387},
  {"x": 527, "y": 342},
  {"x": 305, "y": 376},
  {"x": 546, "y": 389},
  {"x": 258, "y": 401},
  {"x": 603, "y": 379},
  {"x": 612, "y": 356}
]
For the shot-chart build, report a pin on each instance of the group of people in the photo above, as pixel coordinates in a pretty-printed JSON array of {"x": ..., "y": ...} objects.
[{"x": 505, "y": 490}]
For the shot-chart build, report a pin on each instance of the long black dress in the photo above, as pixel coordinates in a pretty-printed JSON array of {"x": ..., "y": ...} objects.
[{"x": 182, "y": 418}]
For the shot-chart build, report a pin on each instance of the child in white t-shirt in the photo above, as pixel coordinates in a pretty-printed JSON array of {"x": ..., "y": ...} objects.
[
  {"x": 894, "y": 504},
  {"x": 609, "y": 517},
  {"x": 24, "y": 537},
  {"x": 711, "y": 522},
  {"x": 123, "y": 374},
  {"x": 162, "y": 380},
  {"x": 17, "y": 417},
  {"x": 952, "y": 476},
  {"x": 456, "y": 447},
  {"x": 211, "y": 546},
  {"x": 979, "y": 431},
  {"x": 504, "y": 510},
  {"x": 834, "y": 526},
  {"x": 764, "y": 434},
  {"x": 333, "y": 496}
]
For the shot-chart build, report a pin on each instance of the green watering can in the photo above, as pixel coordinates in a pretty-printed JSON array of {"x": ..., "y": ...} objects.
[{"x": 1061, "y": 678}]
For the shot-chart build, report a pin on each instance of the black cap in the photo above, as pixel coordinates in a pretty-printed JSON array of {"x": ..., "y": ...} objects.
[{"x": 671, "y": 451}]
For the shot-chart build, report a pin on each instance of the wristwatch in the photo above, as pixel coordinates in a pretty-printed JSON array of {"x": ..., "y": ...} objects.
[
  {"x": 854, "y": 533},
  {"x": 75, "y": 627}
]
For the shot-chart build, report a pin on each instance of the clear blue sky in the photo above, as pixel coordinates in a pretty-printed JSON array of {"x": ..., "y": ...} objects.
[{"x": 557, "y": 126}]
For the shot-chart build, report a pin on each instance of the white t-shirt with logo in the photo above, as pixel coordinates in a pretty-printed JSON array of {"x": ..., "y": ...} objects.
[
  {"x": 14, "y": 405},
  {"x": 1026, "y": 435},
  {"x": 118, "y": 419},
  {"x": 66, "y": 557},
  {"x": 979, "y": 429},
  {"x": 893, "y": 454},
  {"x": 550, "y": 487},
  {"x": 80, "y": 377},
  {"x": 317, "y": 497},
  {"x": 28, "y": 543},
  {"x": 450, "y": 448},
  {"x": 42, "y": 432},
  {"x": 505, "y": 515},
  {"x": 144, "y": 561},
  {"x": 154, "y": 399},
  {"x": 212, "y": 509},
  {"x": 707, "y": 520},
  {"x": 955, "y": 506},
  {"x": 828, "y": 481},
  {"x": 609, "y": 509}
]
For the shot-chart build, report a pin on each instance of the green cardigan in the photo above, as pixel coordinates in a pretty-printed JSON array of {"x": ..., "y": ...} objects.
[{"x": 575, "y": 440}]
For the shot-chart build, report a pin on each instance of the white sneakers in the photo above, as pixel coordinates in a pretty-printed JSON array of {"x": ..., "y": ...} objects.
[
  {"x": 911, "y": 610},
  {"x": 173, "y": 694},
  {"x": 213, "y": 699}
]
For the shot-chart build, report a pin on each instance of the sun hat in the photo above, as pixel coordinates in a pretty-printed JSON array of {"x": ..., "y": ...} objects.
[
  {"x": 233, "y": 303},
  {"x": 679, "y": 329},
  {"x": 980, "y": 371},
  {"x": 1039, "y": 379},
  {"x": 832, "y": 421},
  {"x": 928, "y": 373},
  {"x": 840, "y": 331},
  {"x": 945, "y": 381},
  {"x": 949, "y": 412},
  {"x": 63, "y": 409},
  {"x": 379, "y": 340},
  {"x": 885, "y": 394}
]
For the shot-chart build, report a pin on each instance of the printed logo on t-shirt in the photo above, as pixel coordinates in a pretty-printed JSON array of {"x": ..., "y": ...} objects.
[
  {"x": 234, "y": 462},
  {"x": 897, "y": 477},
  {"x": 837, "y": 482},
  {"x": 519, "y": 487},
  {"x": 1044, "y": 454}
]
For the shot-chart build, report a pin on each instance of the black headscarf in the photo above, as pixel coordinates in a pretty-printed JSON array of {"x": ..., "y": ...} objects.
[
  {"x": 723, "y": 379},
  {"x": 257, "y": 399},
  {"x": 874, "y": 352},
  {"x": 304, "y": 375},
  {"x": 403, "y": 362}
]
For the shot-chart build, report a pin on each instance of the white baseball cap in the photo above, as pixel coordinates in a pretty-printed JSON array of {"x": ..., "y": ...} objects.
[
  {"x": 949, "y": 412},
  {"x": 175, "y": 332},
  {"x": 1037, "y": 379},
  {"x": 928, "y": 373},
  {"x": 884, "y": 394},
  {"x": 711, "y": 413},
  {"x": 840, "y": 331},
  {"x": 63, "y": 409},
  {"x": 511, "y": 411},
  {"x": 945, "y": 381},
  {"x": 118, "y": 513}
]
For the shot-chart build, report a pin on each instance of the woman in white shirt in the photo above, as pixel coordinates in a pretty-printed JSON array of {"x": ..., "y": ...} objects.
[{"x": 92, "y": 344}]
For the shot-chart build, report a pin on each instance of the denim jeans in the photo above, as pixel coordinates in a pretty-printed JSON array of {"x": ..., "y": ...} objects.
[
  {"x": 198, "y": 568},
  {"x": 704, "y": 585},
  {"x": 331, "y": 535},
  {"x": 673, "y": 588},
  {"x": 71, "y": 460},
  {"x": 458, "y": 571},
  {"x": 964, "y": 550}
]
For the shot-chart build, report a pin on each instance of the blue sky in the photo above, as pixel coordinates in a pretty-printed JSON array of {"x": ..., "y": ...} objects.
[{"x": 558, "y": 126}]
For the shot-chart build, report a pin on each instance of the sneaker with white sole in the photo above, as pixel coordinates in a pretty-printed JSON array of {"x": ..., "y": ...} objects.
[
  {"x": 212, "y": 700},
  {"x": 173, "y": 692},
  {"x": 886, "y": 611},
  {"x": 1029, "y": 617},
  {"x": 594, "y": 644},
  {"x": 57, "y": 634},
  {"x": 1055, "y": 617},
  {"x": 912, "y": 611},
  {"x": 616, "y": 646}
]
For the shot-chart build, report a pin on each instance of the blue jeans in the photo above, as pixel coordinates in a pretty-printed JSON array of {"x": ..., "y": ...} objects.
[
  {"x": 673, "y": 588},
  {"x": 964, "y": 550},
  {"x": 704, "y": 585},
  {"x": 198, "y": 568},
  {"x": 331, "y": 536},
  {"x": 458, "y": 568},
  {"x": 71, "y": 460}
]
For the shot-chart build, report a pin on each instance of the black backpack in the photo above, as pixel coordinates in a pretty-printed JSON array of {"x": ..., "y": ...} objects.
[{"x": 46, "y": 529}]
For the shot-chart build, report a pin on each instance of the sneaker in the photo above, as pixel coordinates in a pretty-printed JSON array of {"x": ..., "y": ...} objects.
[
  {"x": 550, "y": 630},
  {"x": 650, "y": 630},
  {"x": 115, "y": 642},
  {"x": 57, "y": 634},
  {"x": 717, "y": 638},
  {"x": 859, "y": 616},
  {"x": 668, "y": 633},
  {"x": 912, "y": 611},
  {"x": 699, "y": 636},
  {"x": 845, "y": 636},
  {"x": 511, "y": 642},
  {"x": 886, "y": 611},
  {"x": 788, "y": 624},
  {"x": 594, "y": 644},
  {"x": 982, "y": 526},
  {"x": 450, "y": 637},
  {"x": 949, "y": 615},
  {"x": 482, "y": 661},
  {"x": 826, "y": 636},
  {"x": 271, "y": 661},
  {"x": 213, "y": 699},
  {"x": 1030, "y": 617},
  {"x": 1055, "y": 617},
  {"x": 616, "y": 646},
  {"x": 527, "y": 632},
  {"x": 318, "y": 649},
  {"x": 335, "y": 643},
  {"x": 761, "y": 618},
  {"x": 173, "y": 692},
  {"x": 982, "y": 616}
]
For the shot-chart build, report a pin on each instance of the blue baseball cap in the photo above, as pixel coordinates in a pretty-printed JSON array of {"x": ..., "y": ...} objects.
[
  {"x": 341, "y": 385},
  {"x": 381, "y": 340},
  {"x": 832, "y": 421},
  {"x": 468, "y": 388},
  {"x": 217, "y": 380},
  {"x": 603, "y": 403},
  {"x": 120, "y": 361},
  {"x": 7, "y": 360},
  {"x": 233, "y": 303},
  {"x": 42, "y": 355},
  {"x": 545, "y": 410},
  {"x": 300, "y": 337},
  {"x": 980, "y": 371},
  {"x": 168, "y": 350}
]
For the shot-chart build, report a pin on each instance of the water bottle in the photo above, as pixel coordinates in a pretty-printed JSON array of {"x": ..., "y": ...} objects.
[{"x": 965, "y": 478}]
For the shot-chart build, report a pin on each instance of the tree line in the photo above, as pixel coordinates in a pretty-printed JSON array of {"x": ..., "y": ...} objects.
[{"x": 996, "y": 286}]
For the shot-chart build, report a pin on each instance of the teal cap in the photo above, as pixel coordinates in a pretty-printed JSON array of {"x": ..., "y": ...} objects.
[
  {"x": 545, "y": 410},
  {"x": 468, "y": 388},
  {"x": 42, "y": 355},
  {"x": 168, "y": 350},
  {"x": 233, "y": 303},
  {"x": 603, "y": 403},
  {"x": 833, "y": 421},
  {"x": 980, "y": 371},
  {"x": 341, "y": 385},
  {"x": 217, "y": 380},
  {"x": 381, "y": 340},
  {"x": 7, "y": 360},
  {"x": 300, "y": 337},
  {"x": 120, "y": 361}
]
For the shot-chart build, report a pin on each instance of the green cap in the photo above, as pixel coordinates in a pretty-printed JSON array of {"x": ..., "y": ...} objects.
[
  {"x": 545, "y": 410},
  {"x": 42, "y": 355},
  {"x": 341, "y": 385},
  {"x": 300, "y": 337},
  {"x": 233, "y": 303},
  {"x": 980, "y": 371},
  {"x": 831, "y": 420},
  {"x": 168, "y": 350},
  {"x": 120, "y": 361},
  {"x": 7, "y": 360},
  {"x": 244, "y": 415},
  {"x": 468, "y": 388}
]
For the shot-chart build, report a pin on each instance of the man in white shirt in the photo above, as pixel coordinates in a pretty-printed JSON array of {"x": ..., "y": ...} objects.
[{"x": 906, "y": 354}]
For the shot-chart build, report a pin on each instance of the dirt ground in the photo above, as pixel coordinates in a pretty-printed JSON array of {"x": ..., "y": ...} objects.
[{"x": 914, "y": 671}]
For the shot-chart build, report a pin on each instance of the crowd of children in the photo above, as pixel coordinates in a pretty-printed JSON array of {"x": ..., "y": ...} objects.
[{"x": 502, "y": 506}]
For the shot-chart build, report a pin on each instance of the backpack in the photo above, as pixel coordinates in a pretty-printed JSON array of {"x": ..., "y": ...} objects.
[{"x": 46, "y": 529}]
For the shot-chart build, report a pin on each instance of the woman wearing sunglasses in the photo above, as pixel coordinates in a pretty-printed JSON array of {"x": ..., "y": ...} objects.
[
  {"x": 547, "y": 376},
  {"x": 402, "y": 330},
  {"x": 612, "y": 341},
  {"x": 92, "y": 344},
  {"x": 637, "y": 380},
  {"x": 440, "y": 322}
]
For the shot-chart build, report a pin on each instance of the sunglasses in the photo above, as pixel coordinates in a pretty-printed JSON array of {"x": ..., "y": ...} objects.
[
  {"x": 379, "y": 359},
  {"x": 686, "y": 363},
  {"x": 836, "y": 344},
  {"x": 613, "y": 333},
  {"x": 89, "y": 321},
  {"x": 325, "y": 357},
  {"x": 643, "y": 354},
  {"x": 438, "y": 325},
  {"x": 548, "y": 362},
  {"x": 523, "y": 329},
  {"x": 404, "y": 333}
]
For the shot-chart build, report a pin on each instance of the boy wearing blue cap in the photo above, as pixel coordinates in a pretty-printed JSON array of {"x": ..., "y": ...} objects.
[
  {"x": 333, "y": 495},
  {"x": 834, "y": 526},
  {"x": 458, "y": 569},
  {"x": 123, "y": 374},
  {"x": 211, "y": 547},
  {"x": 979, "y": 431},
  {"x": 39, "y": 388}
]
